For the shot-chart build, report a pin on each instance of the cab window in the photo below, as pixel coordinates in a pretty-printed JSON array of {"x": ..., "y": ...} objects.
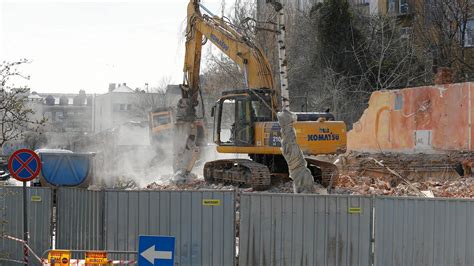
[{"x": 159, "y": 120}]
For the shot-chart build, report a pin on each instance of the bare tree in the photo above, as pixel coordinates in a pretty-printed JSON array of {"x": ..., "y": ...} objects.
[
  {"x": 339, "y": 55},
  {"x": 220, "y": 72},
  {"x": 387, "y": 56},
  {"x": 148, "y": 98},
  {"x": 35, "y": 140},
  {"x": 16, "y": 117},
  {"x": 442, "y": 26}
]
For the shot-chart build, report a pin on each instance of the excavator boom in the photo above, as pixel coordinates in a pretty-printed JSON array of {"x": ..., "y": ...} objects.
[
  {"x": 230, "y": 41},
  {"x": 238, "y": 47}
]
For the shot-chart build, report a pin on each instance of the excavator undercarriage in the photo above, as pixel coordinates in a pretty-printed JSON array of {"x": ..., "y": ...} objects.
[
  {"x": 258, "y": 171},
  {"x": 238, "y": 172}
]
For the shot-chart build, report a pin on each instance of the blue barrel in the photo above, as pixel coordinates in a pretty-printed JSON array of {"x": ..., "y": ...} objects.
[{"x": 65, "y": 168}]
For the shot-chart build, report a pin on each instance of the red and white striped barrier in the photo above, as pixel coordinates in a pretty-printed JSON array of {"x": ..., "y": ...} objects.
[
  {"x": 83, "y": 262},
  {"x": 26, "y": 249},
  {"x": 45, "y": 262}
]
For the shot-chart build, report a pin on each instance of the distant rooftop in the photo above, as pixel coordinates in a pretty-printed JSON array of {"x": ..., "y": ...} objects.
[
  {"x": 122, "y": 88},
  {"x": 119, "y": 87}
]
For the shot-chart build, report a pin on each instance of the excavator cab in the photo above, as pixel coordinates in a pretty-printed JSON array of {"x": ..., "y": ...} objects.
[{"x": 235, "y": 115}]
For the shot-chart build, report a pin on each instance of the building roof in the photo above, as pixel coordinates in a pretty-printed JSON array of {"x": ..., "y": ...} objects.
[
  {"x": 123, "y": 88},
  {"x": 34, "y": 97}
]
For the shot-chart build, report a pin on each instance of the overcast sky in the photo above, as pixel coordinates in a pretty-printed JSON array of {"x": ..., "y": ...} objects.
[{"x": 77, "y": 45}]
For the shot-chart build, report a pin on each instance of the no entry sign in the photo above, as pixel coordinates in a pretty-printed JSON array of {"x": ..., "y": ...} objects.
[{"x": 24, "y": 165}]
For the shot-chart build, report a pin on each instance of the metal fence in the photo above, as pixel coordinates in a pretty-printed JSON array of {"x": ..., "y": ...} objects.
[
  {"x": 287, "y": 229},
  {"x": 39, "y": 222},
  {"x": 80, "y": 219},
  {"x": 417, "y": 231},
  {"x": 203, "y": 223},
  {"x": 274, "y": 229}
]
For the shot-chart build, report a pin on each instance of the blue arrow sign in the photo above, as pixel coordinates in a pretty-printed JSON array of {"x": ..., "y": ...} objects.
[{"x": 156, "y": 251}]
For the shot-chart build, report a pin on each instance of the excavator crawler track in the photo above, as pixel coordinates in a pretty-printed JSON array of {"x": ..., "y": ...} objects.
[
  {"x": 238, "y": 171},
  {"x": 326, "y": 171}
]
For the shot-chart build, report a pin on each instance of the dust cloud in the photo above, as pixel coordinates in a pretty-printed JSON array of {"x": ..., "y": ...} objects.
[{"x": 127, "y": 157}]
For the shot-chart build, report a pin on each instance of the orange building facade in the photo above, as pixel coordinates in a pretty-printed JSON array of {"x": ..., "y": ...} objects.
[{"x": 431, "y": 119}]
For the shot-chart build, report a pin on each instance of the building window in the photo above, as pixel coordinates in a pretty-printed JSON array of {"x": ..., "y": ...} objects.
[
  {"x": 362, "y": 2},
  {"x": 59, "y": 115},
  {"x": 391, "y": 6},
  {"x": 48, "y": 115},
  {"x": 398, "y": 101},
  {"x": 122, "y": 107},
  {"x": 406, "y": 32},
  {"x": 469, "y": 35},
  {"x": 403, "y": 7}
]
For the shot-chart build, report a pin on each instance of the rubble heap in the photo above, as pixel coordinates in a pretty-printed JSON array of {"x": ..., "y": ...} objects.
[
  {"x": 363, "y": 185},
  {"x": 351, "y": 185},
  {"x": 414, "y": 167},
  {"x": 362, "y": 174},
  {"x": 196, "y": 184}
]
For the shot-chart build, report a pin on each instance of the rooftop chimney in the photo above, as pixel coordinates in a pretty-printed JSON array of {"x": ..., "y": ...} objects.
[
  {"x": 111, "y": 87},
  {"x": 444, "y": 75}
]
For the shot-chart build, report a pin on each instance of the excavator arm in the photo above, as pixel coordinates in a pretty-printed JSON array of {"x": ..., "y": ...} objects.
[
  {"x": 225, "y": 36},
  {"x": 238, "y": 47}
]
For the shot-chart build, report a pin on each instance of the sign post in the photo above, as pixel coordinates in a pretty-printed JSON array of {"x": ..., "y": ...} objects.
[
  {"x": 24, "y": 165},
  {"x": 96, "y": 258},
  {"x": 59, "y": 257},
  {"x": 156, "y": 251}
]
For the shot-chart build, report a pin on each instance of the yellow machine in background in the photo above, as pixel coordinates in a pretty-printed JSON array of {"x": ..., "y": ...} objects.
[
  {"x": 161, "y": 121},
  {"x": 245, "y": 119}
]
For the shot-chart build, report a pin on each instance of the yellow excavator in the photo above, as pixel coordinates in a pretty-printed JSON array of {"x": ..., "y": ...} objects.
[{"x": 245, "y": 120}]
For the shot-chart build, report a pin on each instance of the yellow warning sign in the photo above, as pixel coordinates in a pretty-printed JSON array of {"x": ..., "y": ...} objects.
[
  {"x": 354, "y": 210},
  {"x": 211, "y": 202},
  {"x": 36, "y": 198},
  {"x": 96, "y": 257},
  {"x": 59, "y": 257}
]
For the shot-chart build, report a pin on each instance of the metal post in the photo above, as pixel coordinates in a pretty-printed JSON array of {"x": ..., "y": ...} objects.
[
  {"x": 25, "y": 224},
  {"x": 306, "y": 103}
]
